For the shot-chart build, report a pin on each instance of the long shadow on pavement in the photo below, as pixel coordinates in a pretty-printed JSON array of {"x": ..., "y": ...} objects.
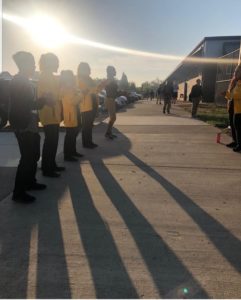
[
  {"x": 110, "y": 277},
  {"x": 225, "y": 242},
  {"x": 46, "y": 255},
  {"x": 16, "y": 223},
  {"x": 168, "y": 273}
]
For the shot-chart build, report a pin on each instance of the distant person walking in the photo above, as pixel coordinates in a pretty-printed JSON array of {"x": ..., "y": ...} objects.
[
  {"x": 167, "y": 96},
  {"x": 111, "y": 93},
  {"x": 23, "y": 118},
  {"x": 196, "y": 96},
  {"x": 159, "y": 95},
  {"x": 234, "y": 96},
  {"x": 152, "y": 95},
  {"x": 174, "y": 92}
]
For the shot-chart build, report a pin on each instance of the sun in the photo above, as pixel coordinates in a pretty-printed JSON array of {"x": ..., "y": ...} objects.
[{"x": 46, "y": 32}]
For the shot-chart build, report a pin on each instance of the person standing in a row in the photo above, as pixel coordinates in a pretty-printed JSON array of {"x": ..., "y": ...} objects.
[
  {"x": 111, "y": 93},
  {"x": 70, "y": 98},
  {"x": 50, "y": 117},
  {"x": 23, "y": 119},
  {"x": 88, "y": 88},
  {"x": 234, "y": 96}
]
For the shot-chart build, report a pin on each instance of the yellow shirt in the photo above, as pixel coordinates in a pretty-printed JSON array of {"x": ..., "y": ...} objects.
[
  {"x": 235, "y": 95},
  {"x": 237, "y": 98},
  {"x": 70, "y": 100},
  {"x": 49, "y": 83},
  {"x": 86, "y": 103}
]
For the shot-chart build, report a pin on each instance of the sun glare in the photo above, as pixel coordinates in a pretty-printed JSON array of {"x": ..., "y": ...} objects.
[{"x": 46, "y": 31}]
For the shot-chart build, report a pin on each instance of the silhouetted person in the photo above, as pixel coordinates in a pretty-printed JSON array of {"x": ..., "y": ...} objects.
[
  {"x": 167, "y": 96},
  {"x": 70, "y": 98},
  {"x": 50, "y": 117},
  {"x": 111, "y": 93},
  {"x": 234, "y": 96},
  {"x": 196, "y": 96},
  {"x": 88, "y": 104},
  {"x": 159, "y": 94},
  {"x": 23, "y": 118},
  {"x": 152, "y": 95},
  {"x": 175, "y": 89}
]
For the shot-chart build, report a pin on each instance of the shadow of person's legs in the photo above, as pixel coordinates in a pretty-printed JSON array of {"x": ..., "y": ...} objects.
[
  {"x": 167, "y": 271},
  {"x": 52, "y": 272},
  {"x": 16, "y": 223},
  {"x": 110, "y": 277},
  {"x": 225, "y": 242}
]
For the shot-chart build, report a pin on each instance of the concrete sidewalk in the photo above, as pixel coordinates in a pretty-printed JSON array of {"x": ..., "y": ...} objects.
[{"x": 152, "y": 214}]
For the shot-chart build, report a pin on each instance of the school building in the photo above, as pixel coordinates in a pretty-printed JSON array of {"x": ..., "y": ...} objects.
[{"x": 215, "y": 76}]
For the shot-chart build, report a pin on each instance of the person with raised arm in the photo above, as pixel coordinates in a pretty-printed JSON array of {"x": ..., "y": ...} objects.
[{"x": 111, "y": 93}]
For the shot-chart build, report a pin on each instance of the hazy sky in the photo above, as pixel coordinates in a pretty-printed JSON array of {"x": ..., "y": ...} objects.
[{"x": 162, "y": 26}]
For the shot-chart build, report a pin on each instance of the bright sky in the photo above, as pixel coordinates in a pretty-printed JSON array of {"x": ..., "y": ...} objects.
[{"x": 169, "y": 27}]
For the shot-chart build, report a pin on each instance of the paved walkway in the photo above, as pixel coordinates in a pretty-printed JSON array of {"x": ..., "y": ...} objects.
[{"x": 152, "y": 214}]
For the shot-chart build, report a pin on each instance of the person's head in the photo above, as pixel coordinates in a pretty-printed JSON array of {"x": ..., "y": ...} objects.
[
  {"x": 49, "y": 62},
  {"x": 83, "y": 70},
  {"x": 67, "y": 78},
  {"x": 198, "y": 81},
  {"x": 111, "y": 72},
  {"x": 25, "y": 62}
]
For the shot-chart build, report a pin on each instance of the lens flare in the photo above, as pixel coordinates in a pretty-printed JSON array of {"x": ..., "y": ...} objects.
[
  {"x": 44, "y": 30},
  {"x": 49, "y": 33}
]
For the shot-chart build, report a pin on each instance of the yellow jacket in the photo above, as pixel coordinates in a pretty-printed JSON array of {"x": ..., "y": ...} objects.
[
  {"x": 235, "y": 94},
  {"x": 88, "y": 88},
  {"x": 49, "y": 83},
  {"x": 70, "y": 100}
]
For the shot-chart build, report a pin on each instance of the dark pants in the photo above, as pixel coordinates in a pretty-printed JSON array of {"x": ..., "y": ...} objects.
[
  {"x": 167, "y": 105},
  {"x": 50, "y": 147},
  {"x": 70, "y": 141},
  {"x": 231, "y": 120},
  {"x": 87, "y": 126},
  {"x": 237, "y": 125},
  {"x": 195, "y": 104},
  {"x": 29, "y": 146}
]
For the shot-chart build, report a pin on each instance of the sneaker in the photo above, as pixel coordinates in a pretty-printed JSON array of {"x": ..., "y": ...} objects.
[
  {"x": 78, "y": 154},
  {"x": 51, "y": 174},
  {"x": 94, "y": 145},
  {"x": 109, "y": 136},
  {"x": 71, "y": 158},
  {"x": 23, "y": 198},
  {"x": 237, "y": 148},
  {"x": 90, "y": 146},
  {"x": 37, "y": 187},
  {"x": 59, "y": 169},
  {"x": 231, "y": 145}
]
